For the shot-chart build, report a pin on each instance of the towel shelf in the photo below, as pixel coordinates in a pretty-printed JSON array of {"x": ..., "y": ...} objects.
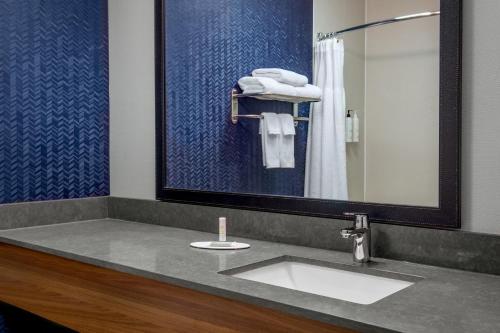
[
  {"x": 267, "y": 97},
  {"x": 276, "y": 97},
  {"x": 258, "y": 116}
]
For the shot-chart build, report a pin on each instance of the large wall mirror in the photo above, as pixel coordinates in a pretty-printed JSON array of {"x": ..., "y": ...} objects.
[{"x": 314, "y": 107}]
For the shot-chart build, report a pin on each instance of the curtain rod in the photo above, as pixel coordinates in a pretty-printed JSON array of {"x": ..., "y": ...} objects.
[{"x": 322, "y": 36}]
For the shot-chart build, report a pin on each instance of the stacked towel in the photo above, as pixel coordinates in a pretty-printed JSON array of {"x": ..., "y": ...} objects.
[
  {"x": 282, "y": 76},
  {"x": 278, "y": 136},
  {"x": 264, "y": 85},
  {"x": 309, "y": 91}
]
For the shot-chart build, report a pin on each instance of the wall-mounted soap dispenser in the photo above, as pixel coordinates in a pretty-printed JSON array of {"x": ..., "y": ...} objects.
[{"x": 352, "y": 127}]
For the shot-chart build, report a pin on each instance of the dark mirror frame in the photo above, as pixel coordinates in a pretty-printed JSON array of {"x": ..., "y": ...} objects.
[{"x": 447, "y": 215}]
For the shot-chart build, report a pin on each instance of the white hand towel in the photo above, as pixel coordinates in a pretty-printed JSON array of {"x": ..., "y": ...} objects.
[
  {"x": 264, "y": 85},
  {"x": 270, "y": 131},
  {"x": 309, "y": 91},
  {"x": 287, "y": 147},
  {"x": 282, "y": 75}
]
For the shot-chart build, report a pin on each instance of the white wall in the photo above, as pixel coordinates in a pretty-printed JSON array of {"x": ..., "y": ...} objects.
[
  {"x": 132, "y": 169},
  {"x": 132, "y": 98},
  {"x": 481, "y": 116},
  {"x": 402, "y": 105}
]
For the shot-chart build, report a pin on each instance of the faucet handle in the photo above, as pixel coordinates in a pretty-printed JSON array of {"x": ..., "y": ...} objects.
[
  {"x": 360, "y": 220},
  {"x": 347, "y": 233}
]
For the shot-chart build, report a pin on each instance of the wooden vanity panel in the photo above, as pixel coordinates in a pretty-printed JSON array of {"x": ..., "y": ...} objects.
[{"x": 87, "y": 298}]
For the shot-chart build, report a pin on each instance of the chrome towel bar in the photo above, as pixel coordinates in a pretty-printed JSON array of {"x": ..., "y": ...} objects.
[{"x": 235, "y": 96}]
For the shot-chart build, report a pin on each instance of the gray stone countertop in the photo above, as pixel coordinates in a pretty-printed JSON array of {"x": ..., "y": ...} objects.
[{"x": 445, "y": 300}]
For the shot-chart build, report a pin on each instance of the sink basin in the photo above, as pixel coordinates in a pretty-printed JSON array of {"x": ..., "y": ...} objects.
[{"x": 331, "y": 280}]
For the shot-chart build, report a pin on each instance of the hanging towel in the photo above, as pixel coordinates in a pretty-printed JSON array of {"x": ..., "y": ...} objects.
[
  {"x": 282, "y": 75},
  {"x": 270, "y": 131},
  {"x": 287, "y": 147},
  {"x": 264, "y": 85},
  {"x": 309, "y": 91}
]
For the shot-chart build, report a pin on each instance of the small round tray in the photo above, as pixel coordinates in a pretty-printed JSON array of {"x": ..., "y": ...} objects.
[{"x": 220, "y": 245}]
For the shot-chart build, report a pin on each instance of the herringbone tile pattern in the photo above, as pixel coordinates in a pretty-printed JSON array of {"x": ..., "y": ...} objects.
[
  {"x": 53, "y": 99},
  {"x": 210, "y": 45}
]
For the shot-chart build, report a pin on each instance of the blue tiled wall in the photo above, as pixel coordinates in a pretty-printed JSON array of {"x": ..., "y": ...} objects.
[
  {"x": 210, "y": 45},
  {"x": 53, "y": 99}
]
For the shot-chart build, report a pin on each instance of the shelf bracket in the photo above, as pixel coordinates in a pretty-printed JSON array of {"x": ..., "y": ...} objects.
[
  {"x": 234, "y": 106},
  {"x": 296, "y": 113}
]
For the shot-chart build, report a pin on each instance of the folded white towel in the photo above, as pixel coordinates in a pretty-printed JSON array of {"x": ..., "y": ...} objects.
[
  {"x": 287, "y": 147},
  {"x": 282, "y": 75},
  {"x": 264, "y": 85},
  {"x": 270, "y": 131},
  {"x": 309, "y": 91}
]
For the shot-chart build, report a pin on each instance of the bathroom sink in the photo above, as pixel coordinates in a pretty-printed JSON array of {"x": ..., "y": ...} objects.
[{"x": 349, "y": 283}]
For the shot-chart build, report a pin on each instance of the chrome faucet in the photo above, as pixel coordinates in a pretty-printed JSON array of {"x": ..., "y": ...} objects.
[{"x": 360, "y": 233}]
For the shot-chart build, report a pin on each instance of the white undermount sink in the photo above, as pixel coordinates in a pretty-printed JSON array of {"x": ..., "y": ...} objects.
[{"x": 331, "y": 282}]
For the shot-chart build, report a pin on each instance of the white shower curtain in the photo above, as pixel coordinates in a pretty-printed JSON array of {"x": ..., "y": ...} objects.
[{"x": 326, "y": 171}]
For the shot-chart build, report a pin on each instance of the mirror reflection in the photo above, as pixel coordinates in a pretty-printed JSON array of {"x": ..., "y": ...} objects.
[{"x": 325, "y": 99}]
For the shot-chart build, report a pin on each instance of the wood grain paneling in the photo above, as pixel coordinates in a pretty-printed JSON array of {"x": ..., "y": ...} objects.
[{"x": 87, "y": 298}]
